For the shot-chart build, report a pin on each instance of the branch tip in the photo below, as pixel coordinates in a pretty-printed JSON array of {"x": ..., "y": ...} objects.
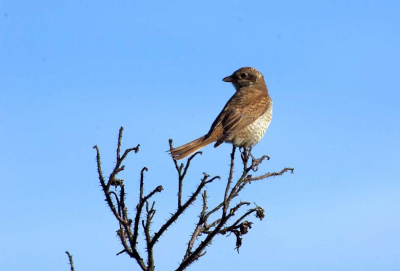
[{"x": 71, "y": 262}]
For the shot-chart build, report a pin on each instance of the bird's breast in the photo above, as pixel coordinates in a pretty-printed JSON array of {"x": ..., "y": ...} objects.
[{"x": 252, "y": 134}]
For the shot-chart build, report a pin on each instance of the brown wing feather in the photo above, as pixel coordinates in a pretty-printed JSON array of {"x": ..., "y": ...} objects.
[{"x": 245, "y": 106}]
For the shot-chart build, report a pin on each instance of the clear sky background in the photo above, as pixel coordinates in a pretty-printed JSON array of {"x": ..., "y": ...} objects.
[{"x": 73, "y": 72}]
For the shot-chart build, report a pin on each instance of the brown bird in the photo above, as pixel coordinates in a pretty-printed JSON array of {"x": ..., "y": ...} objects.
[{"x": 244, "y": 119}]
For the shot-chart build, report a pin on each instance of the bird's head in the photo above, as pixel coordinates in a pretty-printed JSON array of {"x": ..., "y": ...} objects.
[{"x": 245, "y": 77}]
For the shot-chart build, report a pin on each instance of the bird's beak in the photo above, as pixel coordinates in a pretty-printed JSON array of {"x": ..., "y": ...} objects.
[{"x": 228, "y": 79}]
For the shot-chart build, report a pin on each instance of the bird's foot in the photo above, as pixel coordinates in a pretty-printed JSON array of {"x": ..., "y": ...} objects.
[{"x": 255, "y": 162}]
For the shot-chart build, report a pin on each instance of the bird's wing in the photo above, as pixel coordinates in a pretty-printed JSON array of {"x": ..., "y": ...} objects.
[{"x": 245, "y": 106}]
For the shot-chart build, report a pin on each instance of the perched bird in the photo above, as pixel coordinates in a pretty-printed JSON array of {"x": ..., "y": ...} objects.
[{"x": 244, "y": 119}]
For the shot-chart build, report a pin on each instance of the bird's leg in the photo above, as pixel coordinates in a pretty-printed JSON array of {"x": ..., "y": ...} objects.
[
  {"x": 249, "y": 151},
  {"x": 244, "y": 154},
  {"x": 254, "y": 162}
]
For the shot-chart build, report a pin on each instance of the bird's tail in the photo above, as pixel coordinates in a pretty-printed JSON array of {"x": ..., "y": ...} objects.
[{"x": 189, "y": 148}]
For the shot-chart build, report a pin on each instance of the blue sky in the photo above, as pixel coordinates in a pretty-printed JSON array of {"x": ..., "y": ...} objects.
[{"x": 73, "y": 72}]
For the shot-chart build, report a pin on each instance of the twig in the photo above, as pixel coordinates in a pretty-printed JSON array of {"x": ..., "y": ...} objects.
[
  {"x": 71, "y": 262},
  {"x": 272, "y": 174},
  {"x": 228, "y": 185},
  {"x": 105, "y": 187},
  {"x": 117, "y": 200},
  {"x": 146, "y": 226},
  {"x": 180, "y": 173},
  {"x": 180, "y": 210},
  {"x": 198, "y": 228},
  {"x": 139, "y": 207}
]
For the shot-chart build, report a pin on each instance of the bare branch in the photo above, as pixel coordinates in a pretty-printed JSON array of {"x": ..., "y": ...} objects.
[
  {"x": 272, "y": 174},
  {"x": 180, "y": 173},
  {"x": 118, "y": 167},
  {"x": 117, "y": 200},
  {"x": 231, "y": 214},
  {"x": 142, "y": 183},
  {"x": 121, "y": 129},
  {"x": 240, "y": 219},
  {"x": 204, "y": 196},
  {"x": 188, "y": 163},
  {"x": 71, "y": 262},
  {"x": 228, "y": 185},
  {"x": 234, "y": 209},
  {"x": 217, "y": 225},
  {"x": 123, "y": 237},
  {"x": 125, "y": 231},
  {"x": 146, "y": 227},
  {"x": 208, "y": 214},
  {"x": 203, "y": 232},
  {"x": 139, "y": 207},
  {"x": 198, "y": 228},
  {"x": 105, "y": 187},
  {"x": 158, "y": 189},
  {"x": 99, "y": 171},
  {"x": 180, "y": 210}
]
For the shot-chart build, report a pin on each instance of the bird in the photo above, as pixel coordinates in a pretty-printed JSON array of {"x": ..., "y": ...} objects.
[{"x": 244, "y": 119}]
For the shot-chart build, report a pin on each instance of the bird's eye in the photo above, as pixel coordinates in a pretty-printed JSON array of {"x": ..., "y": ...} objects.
[{"x": 244, "y": 75}]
